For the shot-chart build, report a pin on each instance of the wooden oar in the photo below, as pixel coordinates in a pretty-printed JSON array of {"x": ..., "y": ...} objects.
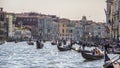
[{"x": 106, "y": 65}]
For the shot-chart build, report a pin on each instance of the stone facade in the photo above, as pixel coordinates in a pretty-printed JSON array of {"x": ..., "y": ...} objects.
[
  {"x": 3, "y": 25},
  {"x": 55, "y": 30},
  {"x": 87, "y": 30},
  {"x": 45, "y": 28},
  {"x": 78, "y": 31},
  {"x": 113, "y": 18},
  {"x": 48, "y": 27},
  {"x": 66, "y": 29}
]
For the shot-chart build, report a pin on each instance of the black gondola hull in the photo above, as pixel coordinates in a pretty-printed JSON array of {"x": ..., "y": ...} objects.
[
  {"x": 30, "y": 43},
  {"x": 40, "y": 46},
  {"x": 53, "y": 43},
  {"x": 89, "y": 56},
  {"x": 63, "y": 48}
]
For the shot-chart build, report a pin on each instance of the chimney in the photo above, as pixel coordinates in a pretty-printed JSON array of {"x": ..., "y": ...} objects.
[{"x": 1, "y": 9}]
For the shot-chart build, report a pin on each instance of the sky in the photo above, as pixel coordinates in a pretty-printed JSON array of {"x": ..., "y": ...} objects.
[{"x": 71, "y": 9}]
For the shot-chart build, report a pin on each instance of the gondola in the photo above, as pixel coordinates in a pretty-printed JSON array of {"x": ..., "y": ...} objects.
[
  {"x": 89, "y": 56},
  {"x": 39, "y": 46},
  {"x": 16, "y": 41},
  {"x": 53, "y": 43},
  {"x": 30, "y": 43},
  {"x": 60, "y": 48},
  {"x": 64, "y": 48}
]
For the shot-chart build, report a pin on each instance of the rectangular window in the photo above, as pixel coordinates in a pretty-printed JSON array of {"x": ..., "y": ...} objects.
[
  {"x": 63, "y": 25},
  {"x": 62, "y": 30},
  {"x": 70, "y": 31}
]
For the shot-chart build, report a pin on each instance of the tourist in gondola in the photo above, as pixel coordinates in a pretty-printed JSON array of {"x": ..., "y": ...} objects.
[
  {"x": 93, "y": 52},
  {"x": 97, "y": 51}
]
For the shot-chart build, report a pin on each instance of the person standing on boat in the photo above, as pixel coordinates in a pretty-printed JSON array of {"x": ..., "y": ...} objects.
[
  {"x": 93, "y": 52},
  {"x": 64, "y": 41},
  {"x": 108, "y": 62},
  {"x": 37, "y": 44},
  {"x": 83, "y": 46},
  {"x": 59, "y": 43},
  {"x": 71, "y": 43},
  {"x": 106, "y": 45}
]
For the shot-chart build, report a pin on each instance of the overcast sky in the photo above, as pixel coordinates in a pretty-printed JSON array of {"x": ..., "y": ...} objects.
[{"x": 72, "y": 9}]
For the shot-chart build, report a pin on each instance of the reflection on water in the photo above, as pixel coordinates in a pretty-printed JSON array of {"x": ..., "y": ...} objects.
[{"x": 21, "y": 55}]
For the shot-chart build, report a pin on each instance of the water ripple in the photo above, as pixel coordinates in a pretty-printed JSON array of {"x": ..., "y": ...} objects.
[{"x": 21, "y": 55}]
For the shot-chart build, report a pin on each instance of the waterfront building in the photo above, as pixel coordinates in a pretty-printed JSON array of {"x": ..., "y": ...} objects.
[
  {"x": 78, "y": 33},
  {"x": 22, "y": 34},
  {"x": 88, "y": 29},
  {"x": 3, "y": 25},
  {"x": 70, "y": 30},
  {"x": 41, "y": 29},
  {"x": 11, "y": 26},
  {"x": 45, "y": 28},
  {"x": 113, "y": 18},
  {"x": 6, "y": 25},
  {"x": 55, "y": 30},
  {"x": 116, "y": 19},
  {"x": 63, "y": 28},
  {"x": 29, "y": 20},
  {"x": 39, "y": 24},
  {"x": 99, "y": 30},
  {"x": 86, "y": 26},
  {"x": 109, "y": 17}
]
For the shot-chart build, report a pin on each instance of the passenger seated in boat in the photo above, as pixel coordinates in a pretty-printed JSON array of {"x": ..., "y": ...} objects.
[
  {"x": 97, "y": 51},
  {"x": 93, "y": 52}
]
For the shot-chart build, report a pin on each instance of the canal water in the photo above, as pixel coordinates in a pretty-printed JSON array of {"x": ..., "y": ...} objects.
[{"x": 21, "y": 55}]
